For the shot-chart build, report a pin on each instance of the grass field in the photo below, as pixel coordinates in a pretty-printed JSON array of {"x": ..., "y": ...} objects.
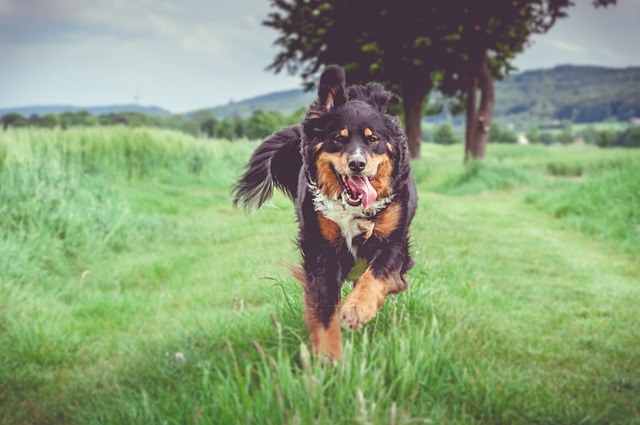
[{"x": 132, "y": 292}]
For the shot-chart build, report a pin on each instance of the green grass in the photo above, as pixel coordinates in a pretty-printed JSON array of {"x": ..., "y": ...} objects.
[
  {"x": 601, "y": 126},
  {"x": 604, "y": 205},
  {"x": 481, "y": 176},
  {"x": 132, "y": 292}
]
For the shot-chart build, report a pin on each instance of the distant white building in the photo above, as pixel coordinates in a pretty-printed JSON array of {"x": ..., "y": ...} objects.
[{"x": 522, "y": 139}]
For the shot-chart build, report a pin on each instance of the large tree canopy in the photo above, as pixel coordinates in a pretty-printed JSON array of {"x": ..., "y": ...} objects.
[
  {"x": 491, "y": 34},
  {"x": 414, "y": 46}
]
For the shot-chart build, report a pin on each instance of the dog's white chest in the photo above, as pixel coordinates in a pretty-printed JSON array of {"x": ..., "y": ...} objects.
[{"x": 351, "y": 223}]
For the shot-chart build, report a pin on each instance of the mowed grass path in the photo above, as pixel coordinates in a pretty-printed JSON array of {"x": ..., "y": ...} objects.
[{"x": 511, "y": 317}]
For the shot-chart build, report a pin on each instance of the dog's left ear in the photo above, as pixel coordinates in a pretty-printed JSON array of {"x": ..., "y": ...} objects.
[{"x": 331, "y": 92}]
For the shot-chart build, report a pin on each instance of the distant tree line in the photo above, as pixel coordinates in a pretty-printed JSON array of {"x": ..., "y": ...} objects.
[
  {"x": 257, "y": 126},
  {"x": 445, "y": 134},
  {"x": 261, "y": 124}
]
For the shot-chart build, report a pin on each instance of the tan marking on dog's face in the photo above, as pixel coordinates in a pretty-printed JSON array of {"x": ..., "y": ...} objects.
[
  {"x": 318, "y": 147},
  {"x": 327, "y": 179},
  {"x": 344, "y": 132},
  {"x": 368, "y": 132},
  {"x": 389, "y": 147},
  {"x": 388, "y": 221}
]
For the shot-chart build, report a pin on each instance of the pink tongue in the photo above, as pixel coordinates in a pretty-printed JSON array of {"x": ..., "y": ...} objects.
[{"x": 361, "y": 185}]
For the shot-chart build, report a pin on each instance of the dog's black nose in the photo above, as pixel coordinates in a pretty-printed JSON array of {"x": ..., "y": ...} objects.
[{"x": 357, "y": 162}]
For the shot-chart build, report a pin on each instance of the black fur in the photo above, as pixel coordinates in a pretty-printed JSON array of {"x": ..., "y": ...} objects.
[
  {"x": 276, "y": 162},
  {"x": 289, "y": 160}
]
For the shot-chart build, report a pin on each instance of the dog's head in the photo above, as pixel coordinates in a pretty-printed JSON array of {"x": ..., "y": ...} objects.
[{"x": 354, "y": 150}]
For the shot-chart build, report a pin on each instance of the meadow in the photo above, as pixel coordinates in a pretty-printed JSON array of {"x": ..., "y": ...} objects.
[{"x": 132, "y": 292}]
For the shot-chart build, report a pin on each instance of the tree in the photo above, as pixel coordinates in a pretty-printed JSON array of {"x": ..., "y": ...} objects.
[
  {"x": 411, "y": 46},
  {"x": 50, "y": 120},
  {"x": 390, "y": 42},
  {"x": 208, "y": 126},
  {"x": 79, "y": 118},
  {"x": 491, "y": 34},
  {"x": 239, "y": 128},
  {"x": 261, "y": 124},
  {"x": 13, "y": 119},
  {"x": 226, "y": 129}
]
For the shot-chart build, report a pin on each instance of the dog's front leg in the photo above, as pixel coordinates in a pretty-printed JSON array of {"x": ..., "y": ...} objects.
[
  {"x": 324, "y": 275},
  {"x": 381, "y": 278}
]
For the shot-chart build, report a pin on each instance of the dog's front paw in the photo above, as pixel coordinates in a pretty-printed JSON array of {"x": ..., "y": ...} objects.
[{"x": 358, "y": 309}]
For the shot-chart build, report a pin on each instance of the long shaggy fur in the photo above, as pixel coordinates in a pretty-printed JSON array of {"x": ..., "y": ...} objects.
[
  {"x": 346, "y": 168},
  {"x": 276, "y": 163}
]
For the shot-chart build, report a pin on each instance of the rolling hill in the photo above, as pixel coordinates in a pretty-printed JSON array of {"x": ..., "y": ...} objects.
[
  {"x": 284, "y": 102},
  {"x": 576, "y": 93},
  {"x": 27, "y": 111},
  {"x": 581, "y": 94}
]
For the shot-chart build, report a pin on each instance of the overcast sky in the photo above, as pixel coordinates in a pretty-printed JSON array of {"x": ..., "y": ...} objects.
[{"x": 190, "y": 54}]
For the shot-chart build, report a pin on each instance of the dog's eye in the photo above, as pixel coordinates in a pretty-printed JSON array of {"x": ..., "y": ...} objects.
[
  {"x": 340, "y": 139},
  {"x": 372, "y": 140}
]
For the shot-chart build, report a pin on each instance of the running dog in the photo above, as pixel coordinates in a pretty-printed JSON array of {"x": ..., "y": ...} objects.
[{"x": 346, "y": 168}]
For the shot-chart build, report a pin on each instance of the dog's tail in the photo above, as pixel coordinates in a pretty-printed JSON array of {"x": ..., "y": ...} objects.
[{"x": 276, "y": 162}]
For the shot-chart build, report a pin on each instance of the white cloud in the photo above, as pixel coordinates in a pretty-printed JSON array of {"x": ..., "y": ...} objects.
[
  {"x": 564, "y": 46},
  {"x": 185, "y": 54},
  {"x": 5, "y": 7}
]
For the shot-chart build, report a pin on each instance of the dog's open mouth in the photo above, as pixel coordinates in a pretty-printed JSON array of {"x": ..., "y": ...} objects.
[{"x": 357, "y": 190}]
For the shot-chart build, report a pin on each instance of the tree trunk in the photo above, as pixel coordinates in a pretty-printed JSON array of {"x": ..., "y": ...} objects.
[
  {"x": 479, "y": 121},
  {"x": 412, "y": 120},
  {"x": 470, "y": 117}
]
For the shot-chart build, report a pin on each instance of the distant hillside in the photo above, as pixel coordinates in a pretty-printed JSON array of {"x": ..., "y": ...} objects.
[
  {"x": 576, "y": 93},
  {"x": 27, "y": 111},
  {"x": 284, "y": 102}
]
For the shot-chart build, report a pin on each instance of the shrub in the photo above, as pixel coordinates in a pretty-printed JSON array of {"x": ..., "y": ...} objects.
[
  {"x": 498, "y": 135},
  {"x": 605, "y": 138},
  {"x": 630, "y": 138},
  {"x": 533, "y": 136},
  {"x": 565, "y": 137},
  {"x": 547, "y": 138},
  {"x": 444, "y": 135}
]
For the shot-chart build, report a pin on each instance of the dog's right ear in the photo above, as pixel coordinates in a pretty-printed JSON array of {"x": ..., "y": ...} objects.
[{"x": 331, "y": 92}]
